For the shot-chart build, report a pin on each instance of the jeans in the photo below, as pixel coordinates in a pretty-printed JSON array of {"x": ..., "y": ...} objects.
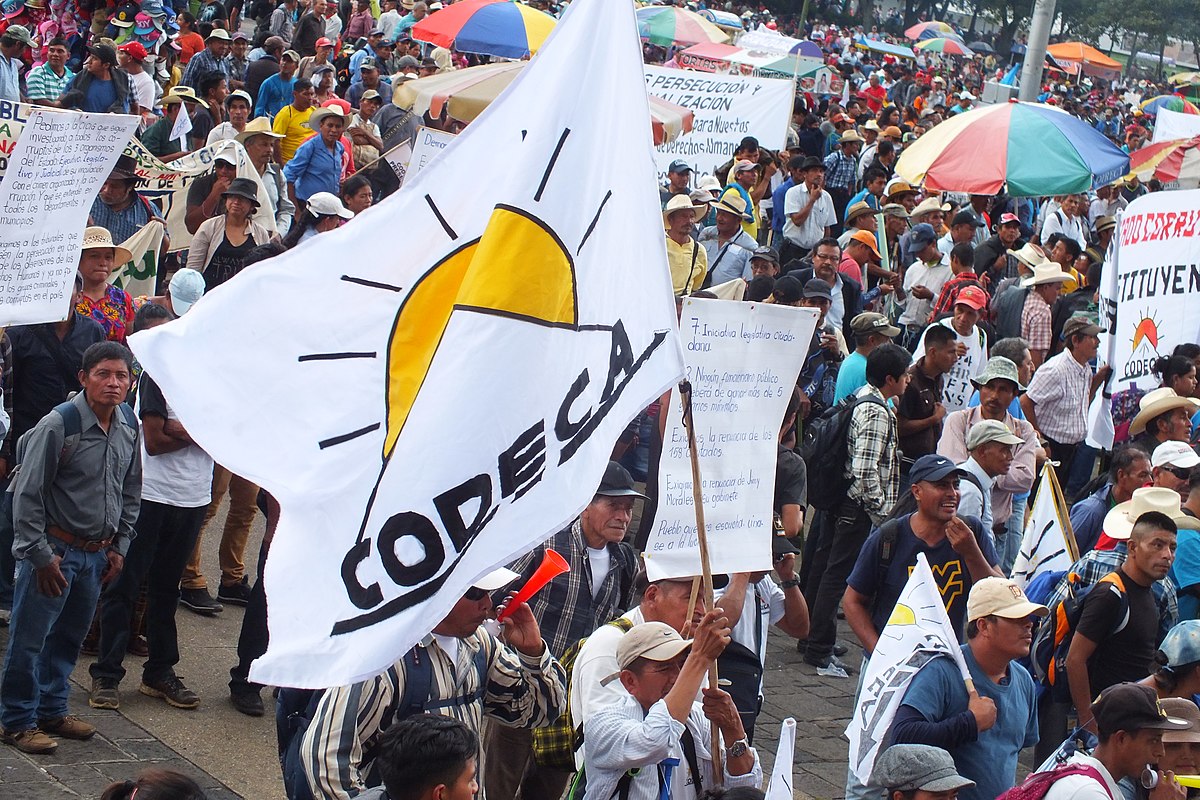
[
  {"x": 252, "y": 641},
  {"x": 1081, "y": 471},
  {"x": 1015, "y": 531},
  {"x": 165, "y": 537},
  {"x": 242, "y": 496},
  {"x": 833, "y": 561},
  {"x": 45, "y": 635}
]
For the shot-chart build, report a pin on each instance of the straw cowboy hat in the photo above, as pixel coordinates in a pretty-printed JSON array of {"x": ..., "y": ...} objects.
[
  {"x": 930, "y": 204},
  {"x": 681, "y": 201},
  {"x": 1156, "y": 403},
  {"x": 1118, "y": 523},
  {"x": 734, "y": 203},
  {"x": 319, "y": 114},
  {"x": 1046, "y": 272},
  {"x": 1030, "y": 255},
  {"x": 95, "y": 238},
  {"x": 259, "y": 126}
]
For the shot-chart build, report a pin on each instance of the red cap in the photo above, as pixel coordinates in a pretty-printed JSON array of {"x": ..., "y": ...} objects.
[
  {"x": 323, "y": 42},
  {"x": 134, "y": 50},
  {"x": 1007, "y": 218},
  {"x": 972, "y": 296}
]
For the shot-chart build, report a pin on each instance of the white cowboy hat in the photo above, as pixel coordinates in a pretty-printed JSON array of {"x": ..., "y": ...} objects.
[
  {"x": 259, "y": 126},
  {"x": 1118, "y": 523},
  {"x": 95, "y": 238},
  {"x": 1030, "y": 255},
  {"x": 321, "y": 113},
  {"x": 1046, "y": 272},
  {"x": 734, "y": 203},
  {"x": 678, "y": 203},
  {"x": 1156, "y": 403},
  {"x": 930, "y": 204}
]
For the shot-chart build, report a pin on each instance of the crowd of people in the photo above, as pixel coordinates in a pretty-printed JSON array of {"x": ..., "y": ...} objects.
[{"x": 954, "y": 357}]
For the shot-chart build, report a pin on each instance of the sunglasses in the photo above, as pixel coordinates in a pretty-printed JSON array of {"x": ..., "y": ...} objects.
[
  {"x": 1179, "y": 472},
  {"x": 475, "y": 594}
]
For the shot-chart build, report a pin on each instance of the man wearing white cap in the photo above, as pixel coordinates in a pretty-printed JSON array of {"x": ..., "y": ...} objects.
[
  {"x": 515, "y": 682},
  {"x": 1172, "y": 464},
  {"x": 659, "y": 730},
  {"x": 986, "y": 729}
]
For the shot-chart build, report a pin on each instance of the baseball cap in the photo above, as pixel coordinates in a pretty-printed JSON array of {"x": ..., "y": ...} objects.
[
  {"x": 766, "y": 254},
  {"x": 679, "y": 165},
  {"x": 895, "y": 210},
  {"x": 972, "y": 296},
  {"x": 867, "y": 238},
  {"x": 1000, "y": 597},
  {"x": 1080, "y": 325},
  {"x": 892, "y": 131},
  {"x": 818, "y": 289},
  {"x": 1009, "y": 219},
  {"x": 967, "y": 218},
  {"x": 323, "y": 42},
  {"x": 990, "y": 430},
  {"x": 787, "y": 290},
  {"x": 290, "y": 55},
  {"x": 185, "y": 288},
  {"x": 933, "y": 467},
  {"x": 1132, "y": 707},
  {"x": 104, "y": 53},
  {"x": 239, "y": 37},
  {"x": 743, "y": 165},
  {"x": 656, "y": 641},
  {"x": 1181, "y": 645},
  {"x": 496, "y": 579},
  {"x": 371, "y": 94},
  {"x": 871, "y": 322},
  {"x": 922, "y": 235},
  {"x": 325, "y": 204},
  {"x": 134, "y": 50},
  {"x": 1174, "y": 454},
  {"x": 368, "y": 63},
  {"x": 617, "y": 482},
  {"x": 917, "y": 767}
]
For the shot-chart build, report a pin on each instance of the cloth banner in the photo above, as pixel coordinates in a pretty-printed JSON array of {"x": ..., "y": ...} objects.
[
  {"x": 1048, "y": 543},
  {"x": 166, "y": 185},
  {"x": 1152, "y": 289},
  {"x": 727, "y": 108},
  {"x": 1100, "y": 426},
  {"x": 59, "y": 162},
  {"x": 742, "y": 360},
  {"x": 477, "y": 378},
  {"x": 1170, "y": 125},
  {"x": 780, "y": 787},
  {"x": 139, "y": 275},
  {"x": 427, "y": 144},
  {"x": 917, "y": 632}
]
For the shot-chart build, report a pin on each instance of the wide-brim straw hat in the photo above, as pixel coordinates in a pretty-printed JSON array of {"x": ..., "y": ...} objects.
[
  {"x": 1119, "y": 522},
  {"x": 1158, "y": 402},
  {"x": 95, "y": 238}
]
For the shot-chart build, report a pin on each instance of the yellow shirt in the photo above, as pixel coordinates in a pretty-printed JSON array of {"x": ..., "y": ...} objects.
[
  {"x": 679, "y": 257},
  {"x": 289, "y": 123},
  {"x": 1075, "y": 282}
]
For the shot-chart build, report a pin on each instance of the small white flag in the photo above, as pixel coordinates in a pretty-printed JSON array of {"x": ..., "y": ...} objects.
[
  {"x": 1048, "y": 544},
  {"x": 917, "y": 632},
  {"x": 780, "y": 787},
  {"x": 182, "y": 126}
]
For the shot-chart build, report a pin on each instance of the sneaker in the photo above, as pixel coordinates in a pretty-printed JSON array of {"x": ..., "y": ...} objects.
[
  {"x": 237, "y": 594},
  {"x": 68, "y": 727},
  {"x": 199, "y": 601},
  {"x": 33, "y": 741},
  {"x": 249, "y": 703},
  {"x": 173, "y": 691},
  {"x": 104, "y": 694}
]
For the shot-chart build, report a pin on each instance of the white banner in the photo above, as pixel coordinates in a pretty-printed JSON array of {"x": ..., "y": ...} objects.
[
  {"x": 1170, "y": 125},
  {"x": 780, "y": 787},
  {"x": 1101, "y": 429},
  {"x": 58, "y": 165},
  {"x": 1047, "y": 544},
  {"x": 480, "y": 375},
  {"x": 427, "y": 144},
  {"x": 727, "y": 109},
  {"x": 138, "y": 275},
  {"x": 742, "y": 360},
  {"x": 917, "y": 632}
]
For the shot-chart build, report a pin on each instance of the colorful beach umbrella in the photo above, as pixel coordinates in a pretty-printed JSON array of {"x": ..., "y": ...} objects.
[
  {"x": 940, "y": 29},
  {"x": 465, "y": 93},
  {"x": 1177, "y": 160},
  {"x": 668, "y": 25},
  {"x": 944, "y": 44},
  {"x": 488, "y": 27},
  {"x": 1171, "y": 102},
  {"x": 1186, "y": 78},
  {"x": 1029, "y": 149}
]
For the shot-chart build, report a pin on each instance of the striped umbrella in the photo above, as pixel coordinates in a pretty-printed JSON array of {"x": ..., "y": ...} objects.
[
  {"x": 1171, "y": 102},
  {"x": 1174, "y": 160},
  {"x": 668, "y": 25},
  {"x": 951, "y": 47},
  {"x": 940, "y": 28},
  {"x": 489, "y": 27},
  {"x": 1031, "y": 149},
  {"x": 465, "y": 93}
]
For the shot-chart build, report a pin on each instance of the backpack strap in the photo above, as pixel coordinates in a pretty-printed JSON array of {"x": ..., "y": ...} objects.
[
  {"x": 1117, "y": 586},
  {"x": 72, "y": 429},
  {"x": 689, "y": 753}
]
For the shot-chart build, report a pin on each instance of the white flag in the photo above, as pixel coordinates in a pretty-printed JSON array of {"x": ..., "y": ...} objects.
[
  {"x": 1101, "y": 429},
  {"x": 182, "y": 125},
  {"x": 780, "y": 787},
  {"x": 484, "y": 336},
  {"x": 917, "y": 632},
  {"x": 1048, "y": 544}
]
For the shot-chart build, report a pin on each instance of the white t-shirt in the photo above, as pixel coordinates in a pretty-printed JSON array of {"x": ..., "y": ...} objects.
[
  {"x": 182, "y": 478},
  {"x": 770, "y": 610},
  {"x": 822, "y": 216},
  {"x": 932, "y": 277},
  {"x": 958, "y": 387},
  {"x": 598, "y": 561},
  {"x": 1084, "y": 787},
  {"x": 143, "y": 90}
]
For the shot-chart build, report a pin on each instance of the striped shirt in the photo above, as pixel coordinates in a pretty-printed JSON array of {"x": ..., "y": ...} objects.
[
  {"x": 1059, "y": 391},
  {"x": 42, "y": 84},
  {"x": 522, "y": 692}
]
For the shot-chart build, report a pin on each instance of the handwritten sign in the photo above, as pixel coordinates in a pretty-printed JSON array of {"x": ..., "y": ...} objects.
[
  {"x": 57, "y": 167},
  {"x": 742, "y": 360},
  {"x": 428, "y": 144}
]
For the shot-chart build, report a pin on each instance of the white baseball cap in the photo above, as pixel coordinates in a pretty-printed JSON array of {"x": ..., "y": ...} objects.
[
  {"x": 1174, "y": 454},
  {"x": 324, "y": 204},
  {"x": 185, "y": 288}
]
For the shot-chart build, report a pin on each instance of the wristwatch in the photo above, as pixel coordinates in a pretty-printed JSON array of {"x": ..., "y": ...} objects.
[
  {"x": 789, "y": 583},
  {"x": 738, "y": 748}
]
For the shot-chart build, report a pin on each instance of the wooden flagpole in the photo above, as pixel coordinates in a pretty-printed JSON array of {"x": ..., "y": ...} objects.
[{"x": 685, "y": 395}]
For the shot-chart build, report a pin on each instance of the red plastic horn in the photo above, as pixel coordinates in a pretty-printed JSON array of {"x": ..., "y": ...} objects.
[{"x": 552, "y": 566}]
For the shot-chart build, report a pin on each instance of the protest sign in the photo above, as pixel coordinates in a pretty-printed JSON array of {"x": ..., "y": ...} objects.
[
  {"x": 742, "y": 360},
  {"x": 58, "y": 165},
  {"x": 1047, "y": 545},
  {"x": 469, "y": 404},
  {"x": 427, "y": 144},
  {"x": 1170, "y": 125},
  {"x": 727, "y": 108},
  {"x": 1101, "y": 429},
  {"x": 398, "y": 159},
  {"x": 139, "y": 274}
]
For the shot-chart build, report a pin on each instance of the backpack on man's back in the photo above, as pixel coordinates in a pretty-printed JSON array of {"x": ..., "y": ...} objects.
[{"x": 826, "y": 451}]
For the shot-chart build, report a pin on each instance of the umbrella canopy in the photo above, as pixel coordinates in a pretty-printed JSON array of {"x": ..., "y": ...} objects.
[
  {"x": 1084, "y": 54},
  {"x": 490, "y": 27},
  {"x": 1174, "y": 160},
  {"x": 1186, "y": 78},
  {"x": 945, "y": 44},
  {"x": 1031, "y": 149},
  {"x": 940, "y": 28},
  {"x": 465, "y": 93},
  {"x": 668, "y": 25},
  {"x": 1171, "y": 102},
  {"x": 981, "y": 47}
]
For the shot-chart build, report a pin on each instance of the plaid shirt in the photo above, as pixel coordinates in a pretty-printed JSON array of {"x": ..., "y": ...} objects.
[
  {"x": 1094, "y": 565},
  {"x": 874, "y": 457},
  {"x": 950, "y": 289},
  {"x": 1059, "y": 392},
  {"x": 565, "y": 609},
  {"x": 42, "y": 84},
  {"x": 841, "y": 171},
  {"x": 201, "y": 64},
  {"x": 1036, "y": 322}
]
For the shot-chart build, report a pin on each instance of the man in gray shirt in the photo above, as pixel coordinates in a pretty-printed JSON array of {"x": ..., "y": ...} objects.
[{"x": 75, "y": 497}]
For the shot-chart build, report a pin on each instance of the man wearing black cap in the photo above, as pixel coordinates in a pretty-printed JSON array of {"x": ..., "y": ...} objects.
[
  {"x": 763, "y": 261},
  {"x": 596, "y": 590},
  {"x": 101, "y": 86},
  {"x": 679, "y": 174},
  {"x": 962, "y": 229}
]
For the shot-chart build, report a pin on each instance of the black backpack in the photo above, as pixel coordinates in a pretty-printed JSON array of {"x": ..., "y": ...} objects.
[
  {"x": 1007, "y": 309},
  {"x": 825, "y": 450}
]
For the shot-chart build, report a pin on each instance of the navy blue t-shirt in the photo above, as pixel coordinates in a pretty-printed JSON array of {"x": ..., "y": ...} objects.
[{"x": 949, "y": 570}]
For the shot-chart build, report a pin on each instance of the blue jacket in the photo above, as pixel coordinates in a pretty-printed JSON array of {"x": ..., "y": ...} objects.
[{"x": 1087, "y": 518}]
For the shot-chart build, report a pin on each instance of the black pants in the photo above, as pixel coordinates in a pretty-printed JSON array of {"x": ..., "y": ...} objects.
[
  {"x": 790, "y": 251},
  {"x": 841, "y": 199},
  {"x": 1064, "y": 454},
  {"x": 834, "y": 559},
  {"x": 252, "y": 641},
  {"x": 158, "y": 553}
]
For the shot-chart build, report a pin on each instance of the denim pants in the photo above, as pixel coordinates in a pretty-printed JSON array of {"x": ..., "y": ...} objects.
[
  {"x": 157, "y": 554},
  {"x": 45, "y": 635}
]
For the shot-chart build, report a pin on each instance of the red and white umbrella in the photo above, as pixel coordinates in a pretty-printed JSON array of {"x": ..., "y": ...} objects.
[{"x": 1177, "y": 160}]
